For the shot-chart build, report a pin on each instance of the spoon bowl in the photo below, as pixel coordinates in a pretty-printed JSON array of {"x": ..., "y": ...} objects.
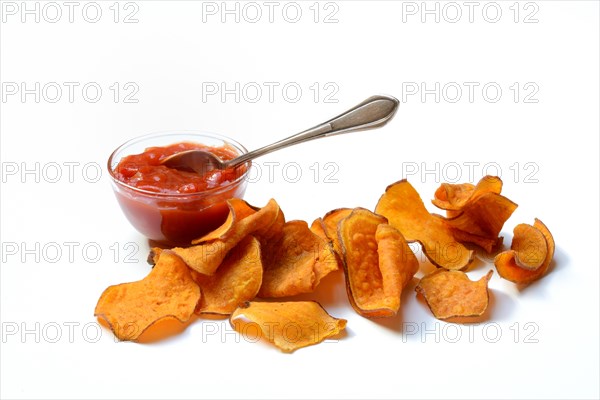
[{"x": 198, "y": 161}]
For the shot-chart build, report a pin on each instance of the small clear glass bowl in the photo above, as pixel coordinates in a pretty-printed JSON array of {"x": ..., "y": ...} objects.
[{"x": 175, "y": 219}]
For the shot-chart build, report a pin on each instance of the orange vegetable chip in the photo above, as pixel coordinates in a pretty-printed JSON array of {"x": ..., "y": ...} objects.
[
  {"x": 331, "y": 221},
  {"x": 476, "y": 213},
  {"x": 318, "y": 228},
  {"x": 206, "y": 257},
  {"x": 327, "y": 228},
  {"x": 452, "y": 294},
  {"x": 377, "y": 261},
  {"x": 484, "y": 216},
  {"x": 506, "y": 263},
  {"x": 167, "y": 291},
  {"x": 405, "y": 211},
  {"x": 488, "y": 244},
  {"x": 272, "y": 230},
  {"x": 393, "y": 251},
  {"x": 288, "y": 325},
  {"x": 236, "y": 281},
  {"x": 454, "y": 197},
  {"x": 530, "y": 246},
  {"x": 296, "y": 262},
  {"x": 238, "y": 210}
]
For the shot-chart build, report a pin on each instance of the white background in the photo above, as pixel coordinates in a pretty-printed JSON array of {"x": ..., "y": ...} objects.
[{"x": 539, "y": 342}]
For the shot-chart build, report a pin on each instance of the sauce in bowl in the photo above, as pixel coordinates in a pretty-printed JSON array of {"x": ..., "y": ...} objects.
[
  {"x": 170, "y": 206},
  {"x": 145, "y": 171}
]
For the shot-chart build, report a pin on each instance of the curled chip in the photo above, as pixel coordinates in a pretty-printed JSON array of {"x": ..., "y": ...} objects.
[
  {"x": 167, "y": 291},
  {"x": 452, "y": 294},
  {"x": 506, "y": 262},
  {"x": 238, "y": 210},
  {"x": 393, "y": 251},
  {"x": 405, "y": 211},
  {"x": 206, "y": 257},
  {"x": 377, "y": 261},
  {"x": 484, "y": 216},
  {"x": 530, "y": 247},
  {"x": 236, "y": 281},
  {"x": 272, "y": 230},
  {"x": 295, "y": 262},
  {"x": 454, "y": 197},
  {"x": 476, "y": 213},
  {"x": 327, "y": 228},
  {"x": 289, "y": 325},
  {"x": 330, "y": 224},
  {"x": 318, "y": 228},
  {"x": 488, "y": 244}
]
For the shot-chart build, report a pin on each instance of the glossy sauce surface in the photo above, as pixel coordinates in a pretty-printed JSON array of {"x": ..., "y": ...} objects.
[{"x": 144, "y": 171}]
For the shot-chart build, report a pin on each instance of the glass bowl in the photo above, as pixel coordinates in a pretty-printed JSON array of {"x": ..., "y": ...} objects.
[{"x": 176, "y": 219}]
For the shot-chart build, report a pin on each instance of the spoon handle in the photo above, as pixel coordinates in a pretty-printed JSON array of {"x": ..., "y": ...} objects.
[{"x": 372, "y": 113}]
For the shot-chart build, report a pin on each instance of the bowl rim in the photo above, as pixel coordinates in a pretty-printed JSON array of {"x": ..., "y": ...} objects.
[{"x": 166, "y": 133}]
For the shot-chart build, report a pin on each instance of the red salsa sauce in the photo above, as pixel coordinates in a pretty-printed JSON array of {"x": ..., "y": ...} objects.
[
  {"x": 185, "y": 206},
  {"x": 144, "y": 171}
]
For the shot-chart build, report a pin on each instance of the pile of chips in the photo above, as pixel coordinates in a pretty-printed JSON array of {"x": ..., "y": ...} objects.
[{"x": 255, "y": 256}]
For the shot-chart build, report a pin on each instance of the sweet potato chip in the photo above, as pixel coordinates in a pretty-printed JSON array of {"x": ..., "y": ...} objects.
[
  {"x": 288, "y": 325},
  {"x": 476, "y": 213},
  {"x": 331, "y": 222},
  {"x": 377, "y": 261},
  {"x": 484, "y": 216},
  {"x": 405, "y": 211},
  {"x": 397, "y": 262},
  {"x": 452, "y": 294},
  {"x": 238, "y": 210},
  {"x": 508, "y": 268},
  {"x": 364, "y": 280},
  {"x": 454, "y": 197},
  {"x": 530, "y": 246},
  {"x": 296, "y": 262},
  {"x": 488, "y": 244},
  {"x": 206, "y": 257},
  {"x": 393, "y": 250},
  {"x": 236, "y": 281},
  {"x": 167, "y": 292},
  {"x": 318, "y": 228},
  {"x": 327, "y": 228},
  {"x": 273, "y": 230}
]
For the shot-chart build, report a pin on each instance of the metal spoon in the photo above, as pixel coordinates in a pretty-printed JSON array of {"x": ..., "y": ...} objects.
[{"x": 372, "y": 113}]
